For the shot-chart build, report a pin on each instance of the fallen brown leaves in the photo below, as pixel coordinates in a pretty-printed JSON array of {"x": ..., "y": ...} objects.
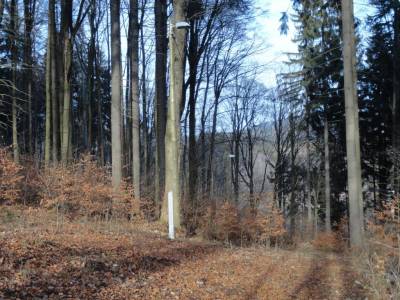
[
  {"x": 249, "y": 274},
  {"x": 87, "y": 262}
]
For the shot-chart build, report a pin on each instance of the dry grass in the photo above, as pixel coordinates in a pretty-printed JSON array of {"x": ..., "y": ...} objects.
[
  {"x": 328, "y": 242},
  {"x": 380, "y": 262}
]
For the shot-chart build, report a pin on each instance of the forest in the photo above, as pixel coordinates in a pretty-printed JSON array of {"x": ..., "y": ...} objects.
[{"x": 145, "y": 153}]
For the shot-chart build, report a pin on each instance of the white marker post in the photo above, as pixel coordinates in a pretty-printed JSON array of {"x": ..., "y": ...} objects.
[{"x": 171, "y": 227}]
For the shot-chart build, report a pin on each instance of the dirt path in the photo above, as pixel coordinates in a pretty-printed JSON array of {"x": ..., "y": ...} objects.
[
  {"x": 85, "y": 264},
  {"x": 249, "y": 274}
]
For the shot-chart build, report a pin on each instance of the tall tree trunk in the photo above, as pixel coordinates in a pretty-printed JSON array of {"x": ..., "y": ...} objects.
[
  {"x": 127, "y": 115},
  {"x": 308, "y": 171},
  {"x": 29, "y": 13},
  {"x": 250, "y": 168},
  {"x": 396, "y": 97},
  {"x": 172, "y": 137},
  {"x": 14, "y": 58},
  {"x": 91, "y": 77},
  {"x": 145, "y": 143},
  {"x": 327, "y": 175},
  {"x": 60, "y": 67},
  {"x": 202, "y": 137},
  {"x": 160, "y": 11},
  {"x": 193, "y": 164},
  {"x": 53, "y": 76},
  {"x": 236, "y": 161},
  {"x": 100, "y": 140},
  {"x": 67, "y": 57},
  {"x": 279, "y": 156},
  {"x": 47, "y": 145},
  {"x": 212, "y": 149},
  {"x": 352, "y": 126},
  {"x": 68, "y": 32},
  {"x": 293, "y": 205},
  {"x": 134, "y": 60},
  {"x": 65, "y": 147},
  {"x": 116, "y": 141}
]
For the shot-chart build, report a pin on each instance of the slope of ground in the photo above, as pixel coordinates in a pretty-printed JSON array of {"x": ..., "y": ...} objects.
[{"x": 100, "y": 261}]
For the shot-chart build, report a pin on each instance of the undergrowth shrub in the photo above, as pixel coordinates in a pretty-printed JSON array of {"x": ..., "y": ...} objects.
[
  {"x": 195, "y": 213},
  {"x": 227, "y": 226},
  {"x": 11, "y": 178},
  {"x": 83, "y": 188},
  {"x": 31, "y": 184},
  {"x": 381, "y": 262},
  {"x": 252, "y": 226},
  {"x": 263, "y": 227},
  {"x": 328, "y": 241}
]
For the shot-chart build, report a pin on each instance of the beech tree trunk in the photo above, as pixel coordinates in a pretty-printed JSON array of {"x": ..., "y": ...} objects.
[
  {"x": 100, "y": 140},
  {"x": 65, "y": 147},
  {"x": 212, "y": 150},
  {"x": 146, "y": 140},
  {"x": 14, "y": 58},
  {"x": 29, "y": 14},
  {"x": 160, "y": 12},
  {"x": 67, "y": 65},
  {"x": 308, "y": 174},
  {"x": 47, "y": 145},
  {"x": 116, "y": 141},
  {"x": 134, "y": 60},
  {"x": 193, "y": 163},
  {"x": 328, "y": 225},
  {"x": 91, "y": 73},
  {"x": 396, "y": 97},
  {"x": 53, "y": 84},
  {"x": 293, "y": 205},
  {"x": 352, "y": 126},
  {"x": 172, "y": 138},
  {"x": 68, "y": 32}
]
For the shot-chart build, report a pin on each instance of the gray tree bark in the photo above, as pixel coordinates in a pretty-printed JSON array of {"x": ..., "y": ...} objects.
[
  {"x": 327, "y": 171},
  {"x": 160, "y": 12},
  {"x": 172, "y": 138},
  {"x": 68, "y": 32},
  {"x": 308, "y": 174},
  {"x": 47, "y": 144},
  {"x": 14, "y": 57},
  {"x": 53, "y": 76},
  {"x": 396, "y": 95},
  {"x": 293, "y": 205},
  {"x": 91, "y": 71},
  {"x": 29, "y": 15},
  {"x": 352, "y": 126},
  {"x": 67, "y": 65},
  {"x": 116, "y": 140},
  {"x": 134, "y": 60}
]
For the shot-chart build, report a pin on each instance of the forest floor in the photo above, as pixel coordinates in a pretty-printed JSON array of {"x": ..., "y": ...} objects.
[{"x": 86, "y": 260}]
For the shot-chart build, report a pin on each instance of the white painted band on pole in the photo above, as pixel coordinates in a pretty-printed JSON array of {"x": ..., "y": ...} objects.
[{"x": 171, "y": 227}]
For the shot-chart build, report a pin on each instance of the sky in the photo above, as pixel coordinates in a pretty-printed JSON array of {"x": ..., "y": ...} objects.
[{"x": 278, "y": 45}]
